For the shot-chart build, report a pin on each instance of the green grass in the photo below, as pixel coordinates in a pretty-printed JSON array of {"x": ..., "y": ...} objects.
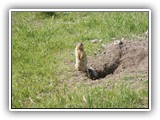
[{"x": 43, "y": 58}]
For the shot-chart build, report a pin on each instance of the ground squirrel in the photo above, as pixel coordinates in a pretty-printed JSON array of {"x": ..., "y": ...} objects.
[
  {"x": 81, "y": 58},
  {"x": 81, "y": 62}
]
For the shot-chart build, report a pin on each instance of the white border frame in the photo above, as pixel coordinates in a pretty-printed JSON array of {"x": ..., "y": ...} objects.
[{"x": 78, "y": 10}]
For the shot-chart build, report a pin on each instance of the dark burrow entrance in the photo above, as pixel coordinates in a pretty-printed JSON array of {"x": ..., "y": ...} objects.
[
  {"x": 107, "y": 70},
  {"x": 107, "y": 63}
]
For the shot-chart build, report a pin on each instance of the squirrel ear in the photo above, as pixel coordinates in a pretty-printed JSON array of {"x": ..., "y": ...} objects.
[{"x": 81, "y": 43}]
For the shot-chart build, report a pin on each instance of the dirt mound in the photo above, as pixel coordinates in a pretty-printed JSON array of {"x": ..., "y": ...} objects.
[{"x": 119, "y": 56}]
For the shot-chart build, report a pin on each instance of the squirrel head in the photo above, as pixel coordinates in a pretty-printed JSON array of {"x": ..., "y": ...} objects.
[{"x": 79, "y": 46}]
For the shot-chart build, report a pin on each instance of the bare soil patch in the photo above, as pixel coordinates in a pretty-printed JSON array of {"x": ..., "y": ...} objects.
[{"x": 120, "y": 56}]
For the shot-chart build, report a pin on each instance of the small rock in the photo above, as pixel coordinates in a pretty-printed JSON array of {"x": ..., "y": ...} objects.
[
  {"x": 100, "y": 40},
  {"x": 94, "y": 41},
  {"x": 95, "y": 53},
  {"x": 118, "y": 42},
  {"x": 122, "y": 39},
  {"x": 103, "y": 45}
]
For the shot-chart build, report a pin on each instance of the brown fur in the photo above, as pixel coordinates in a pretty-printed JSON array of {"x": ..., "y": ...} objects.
[{"x": 81, "y": 58}]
